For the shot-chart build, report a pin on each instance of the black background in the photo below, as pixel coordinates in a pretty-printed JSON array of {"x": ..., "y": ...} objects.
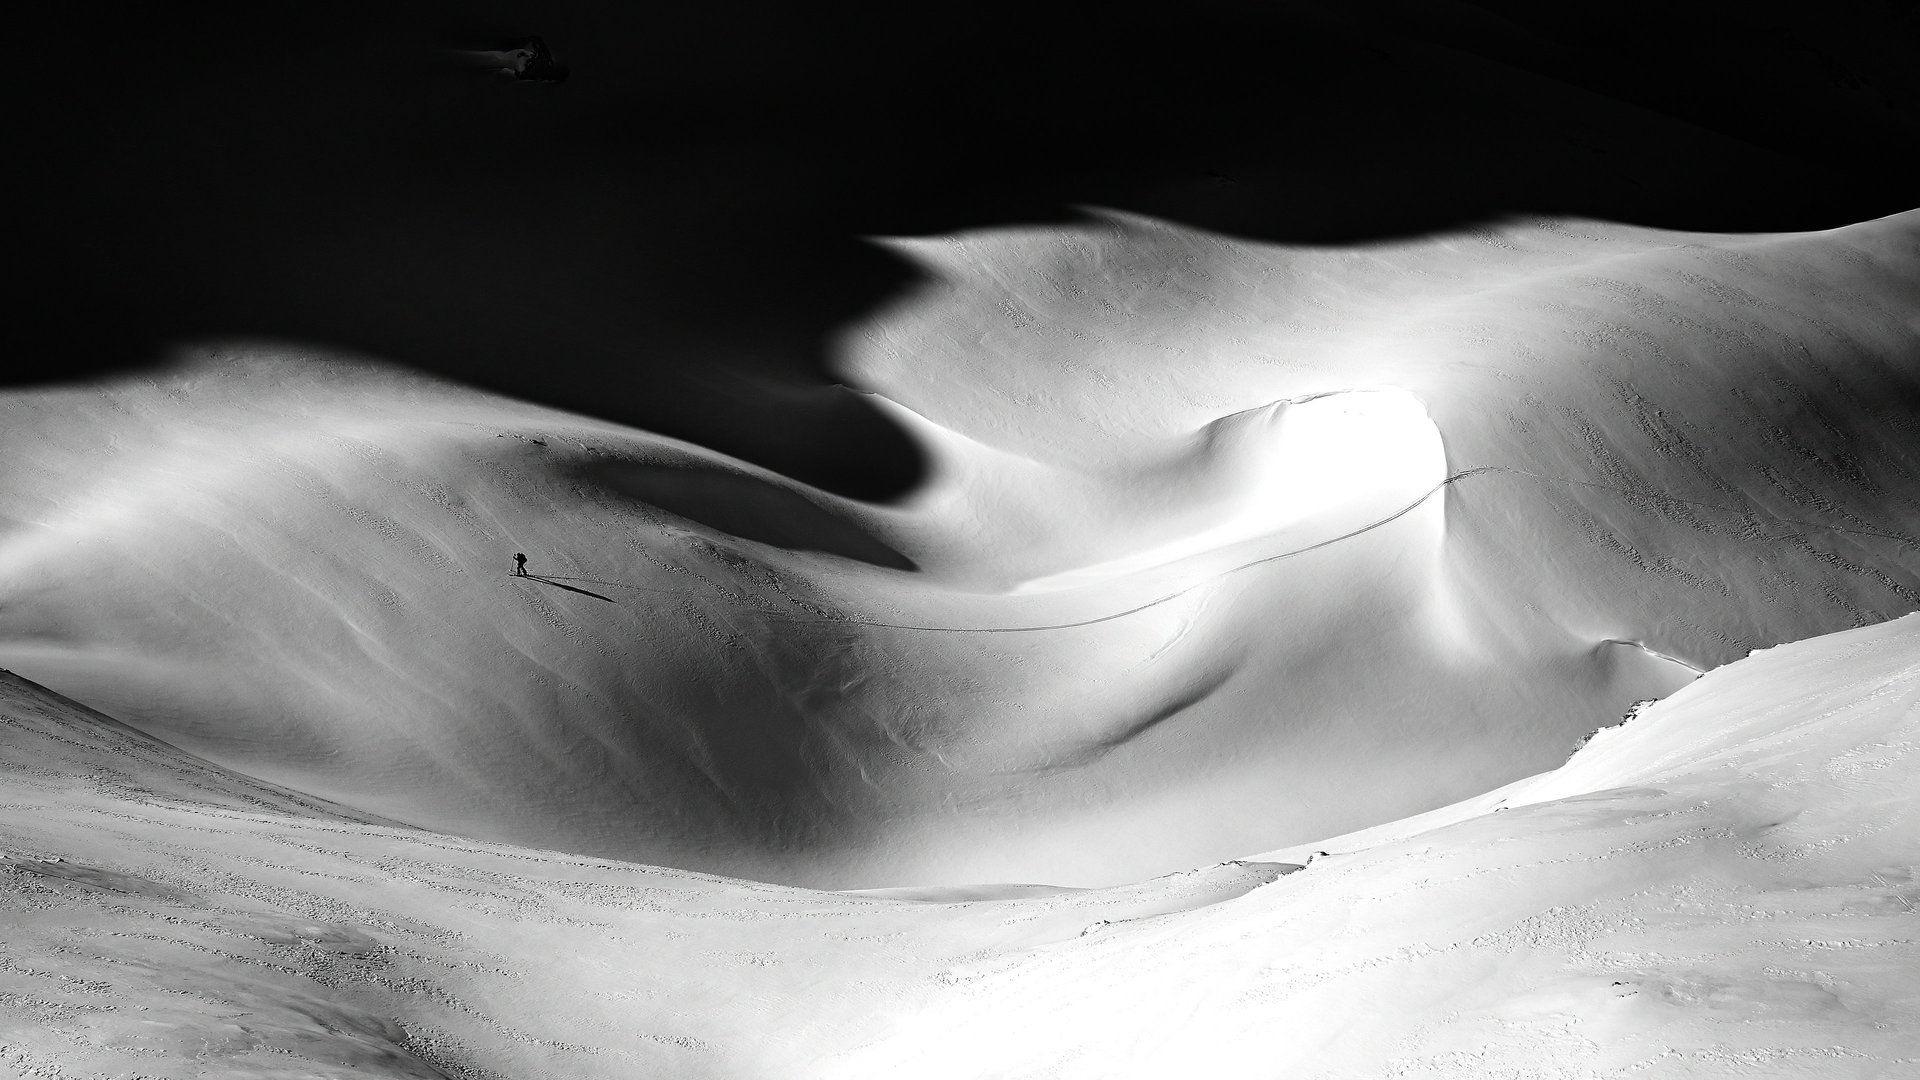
[{"x": 669, "y": 238}]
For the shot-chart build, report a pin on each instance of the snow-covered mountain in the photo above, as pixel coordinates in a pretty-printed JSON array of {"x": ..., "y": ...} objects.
[{"x": 1223, "y": 546}]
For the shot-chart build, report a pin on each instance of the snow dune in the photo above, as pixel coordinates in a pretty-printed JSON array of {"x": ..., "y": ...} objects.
[
  {"x": 1723, "y": 886},
  {"x": 1224, "y": 546},
  {"x": 1297, "y": 475}
]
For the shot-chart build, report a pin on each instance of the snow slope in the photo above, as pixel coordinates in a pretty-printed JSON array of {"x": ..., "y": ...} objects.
[
  {"x": 1725, "y": 886},
  {"x": 1225, "y": 546}
]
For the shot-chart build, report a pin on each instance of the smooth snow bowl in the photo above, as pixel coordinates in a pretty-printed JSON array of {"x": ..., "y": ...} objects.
[{"x": 1304, "y": 471}]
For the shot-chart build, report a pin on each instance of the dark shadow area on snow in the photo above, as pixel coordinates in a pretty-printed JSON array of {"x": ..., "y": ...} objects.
[
  {"x": 1124, "y": 729},
  {"x": 98, "y": 878},
  {"x": 671, "y": 237}
]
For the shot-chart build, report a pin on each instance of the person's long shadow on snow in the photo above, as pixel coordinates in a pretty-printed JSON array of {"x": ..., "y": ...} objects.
[
  {"x": 569, "y": 588},
  {"x": 555, "y": 580}
]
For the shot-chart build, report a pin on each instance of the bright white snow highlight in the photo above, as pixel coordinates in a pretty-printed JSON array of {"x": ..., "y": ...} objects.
[{"x": 1298, "y": 474}]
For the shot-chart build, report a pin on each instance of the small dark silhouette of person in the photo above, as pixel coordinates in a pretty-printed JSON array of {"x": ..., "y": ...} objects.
[
  {"x": 519, "y": 565},
  {"x": 528, "y": 61}
]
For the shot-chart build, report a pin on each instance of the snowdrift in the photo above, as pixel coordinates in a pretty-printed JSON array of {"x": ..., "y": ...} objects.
[
  {"x": 1225, "y": 546},
  {"x": 1723, "y": 886}
]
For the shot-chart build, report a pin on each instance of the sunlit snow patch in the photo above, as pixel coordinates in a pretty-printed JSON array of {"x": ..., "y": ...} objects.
[{"x": 1306, "y": 471}]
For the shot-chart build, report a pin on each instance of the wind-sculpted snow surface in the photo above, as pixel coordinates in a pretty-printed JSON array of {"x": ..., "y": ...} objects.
[
  {"x": 1724, "y": 886},
  {"x": 1224, "y": 546}
]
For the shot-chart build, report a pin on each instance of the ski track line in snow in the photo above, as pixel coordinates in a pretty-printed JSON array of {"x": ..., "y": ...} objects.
[{"x": 1479, "y": 470}]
